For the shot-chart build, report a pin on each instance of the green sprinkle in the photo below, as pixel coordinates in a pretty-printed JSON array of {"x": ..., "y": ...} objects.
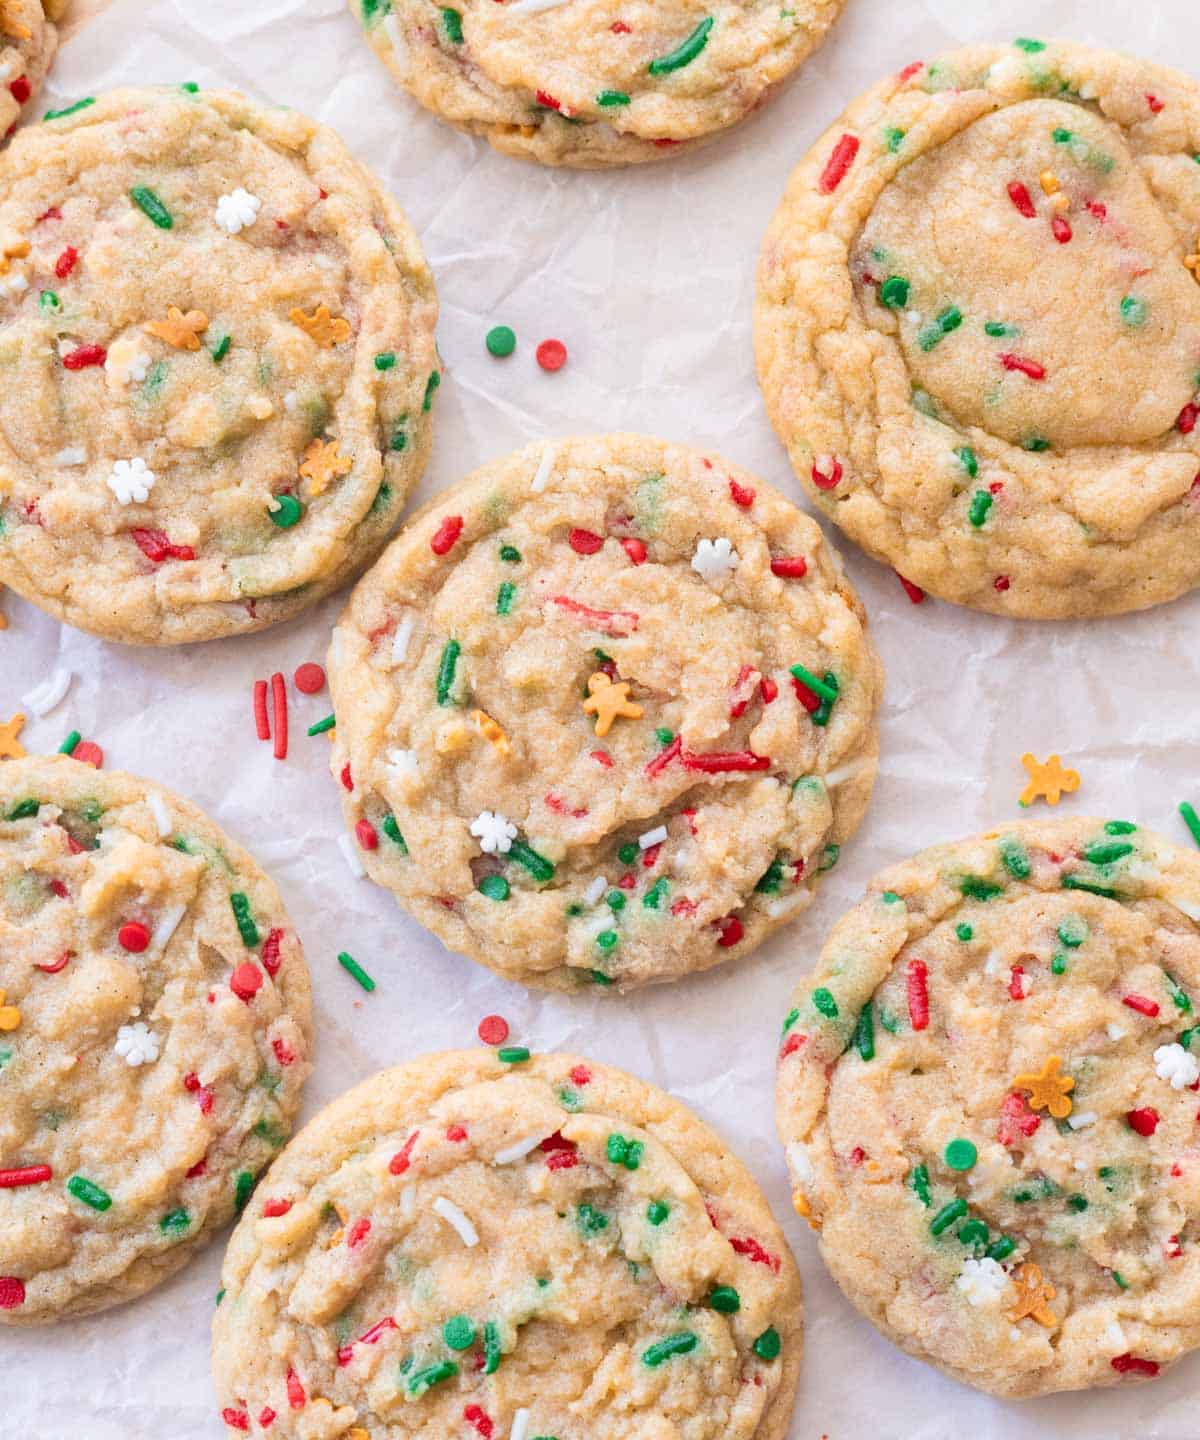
[
  {"x": 1063, "y": 137},
  {"x": 1122, "y": 1283},
  {"x": 492, "y": 1353},
  {"x": 608, "y": 940},
  {"x": 818, "y": 687},
  {"x": 495, "y": 887},
  {"x": 615, "y": 900},
  {"x": 431, "y": 385},
  {"x": 627, "y": 1153},
  {"x": 1191, "y": 820},
  {"x": 189, "y": 87},
  {"x": 919, "y": 1181},
  {"x": 973, "y": 1232},
  {"x": 569, "y": 1099},
  {"x": 69, "y": 744},
  {"x": 1078, "y": 1203},
  {"x": 1187, "y": 1036},
  {"x": 512, "y": 1054},
  {"x": 981, "y": 502},
  {"x": 997, "y": 329},
  {"x": 1107, "y": 854},
  {"x": 681, "y": 1344},
  {"x": 392, "y": 831},
  {"x": 510, "y": 554},
  {"x": 459, "y": 1333},
  {"x": 685, "y": 53},
  {"x": 968, "y": 459},
  {"x": 70, "y": 109},
  {"x": 446, "y": 668},
  {"x": 432, "y": 1375},
  {"x": 538, "y": 866},
  {"x": 824, "y": 1002},
  {"x": 452, "y": 23},
  {"x": 657, "y": 1212},
  {"x": 889, "y": 1022},
  {"x": 961, "y": 1155},
  {"x": 790, "y": 1019},
  {"x": 322, "y": 725},
  {"x": 88, "y": 1193},
  {"x": 399, "y": 440},
  {"x": 385, "y": 360},
  {"x": 151, "y": 206},
  {"x": 656, "y": 894},
  {"x": 220, "y": 349},
  {"x": 1120, "y": 827},
  {"x": 936, "y": 331},
  {"x": 174, "y": 1222},
  {"x": 1073, "y": 882},
  {"x": 1001, "y": 1248},
  {"x": 1031, "y": 47},
  {"x": 950, "y": 1212},
  {"x": 351, "y": 966},
  {"x": 501, "y": 341},
  {"x": 48, "y": 300},
  {"x": 894, "y": 292},
  {"x": 247, "y": 929},
  {"x": 964, "y": 933},
  {"x": 663, "y": 735},
  {"x": 287, "y": 512},
  {"x": 1043, "y": 1188},
  {"x": 1073, "y": 932},
  {"x": 1179, "y": 996},
  {"x": 220, "y": 1295},
  {"x": 889, "y": 897},
  {"x": 725, "y": 1300},
  {"x": 23, "y": 809},
  {"x": 1134, "y": 311},
  {"x": 504, "y": 598},
  {"x": 894, "y": 138},
  {"x": 591, "y": 1221},
  {"x": 772, "y": 879},
  {"x": 1058, "y": 964},
  {"x": 609, "y": 98},
  {"x": 768, "y": 1345},
  {"x": 864, "y": 1033},
  {"x": 627, "y": 854},
  {"x": 600, "y": 978},
  {"x": 1016, "y": 859},
  {"x": 975, "y": 887},
  {"x": 1035, "y": 445}
]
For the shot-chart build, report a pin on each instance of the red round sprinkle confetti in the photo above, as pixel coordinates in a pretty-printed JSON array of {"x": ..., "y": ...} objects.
[
  {"x": 133, "y": 936},
  {"x": 84, "y": 356},
  {"x": 88, "y": 753},
  {"x": 830, "y": 480},
  {"x": 309, "y": 678},
  {"x": 12, "y": 1292},
  {"x": 236, "y": 1419},
  {"x": 552, "y": 355},
  {"x": 635, "y": 549},
  {"x": 493, "y": 1030},
  {"x": 1143, "y": 1121},
  {"x": 585, "y": 542},
  {"x": 246, "y": 981},
  {"x": 1001, "y": 583},
  {"x": 619, "y": 27},
  {"x": 580, "y": 1075},
  {"x": 456, "y": 1134},
  {"x": 266, "y": 1417},
  {"x": 731, "y": 929},
  {"x": 446, "y": 535},
  {"x": 366, "y": 834},
  {"x": 789, "y": 567},
  {"x": 358, "y": 1232}
]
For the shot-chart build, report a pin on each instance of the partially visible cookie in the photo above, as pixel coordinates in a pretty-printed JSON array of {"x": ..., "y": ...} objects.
[
  {"x": 154, "y": 1035},
  {"x": 605, "y": 712},
  {"x": 508, "y": 1246},
  {"x": 592, "y": 83},
  {"x": 218, "y": 332},
  {"x": 978, "y": 328},
  {"x": 987, "y": 1090},
  {"x": 27, "y": 44}
]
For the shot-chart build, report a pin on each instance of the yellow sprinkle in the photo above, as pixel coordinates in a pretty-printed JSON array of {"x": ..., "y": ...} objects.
[
  {"x": 1048, "y": 1088},
  {"x": 10, "y": 747},
  {"x": 182, "y": 331},
  {"x": 1050, "y": 182},
  {"x": 1047, "y": 779},
  {"x": 322, "y": 465},
  {"x": 490, "y": 730},
  {"x": 13, "y": 251},
  {"x": 10, "y": 1016},
  {"x": 804, "y": 1209},
  {"x": 327, "y": 330},
  {"x": 609, "y": 702}
]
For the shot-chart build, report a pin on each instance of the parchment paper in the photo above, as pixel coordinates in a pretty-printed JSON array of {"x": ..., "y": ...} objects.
[{"x": 648, "y": 276}]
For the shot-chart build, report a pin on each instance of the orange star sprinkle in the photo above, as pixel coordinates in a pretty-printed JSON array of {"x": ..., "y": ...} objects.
[
  {"x": 10, "y": 1016},
  {"x": 322, "y": 465},
  {"x": 608, "y": 702},
  {"x": 1047, "y": 779},
  {"x": 1049, "y": 1090},
  {"x": 10, "y": 747},
  {"x": 490, "y": 730},
  {"x": 182, "y": 331},
  {"x": 1033, "y": 1293},
  {"x": 14, "y": 28},
  {"x": 326, "y": 329}
]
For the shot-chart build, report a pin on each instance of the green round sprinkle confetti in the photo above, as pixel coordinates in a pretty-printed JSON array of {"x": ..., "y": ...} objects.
[
  {"x": 385, "y": 361},
  {"x": 894, "y": 292},
  {"x": 725, "y": 1300},
  {"x": 88, "y": 1193},
  {"x": 608, "y": 940},
  {"x": 768, "y": 1345},
  {"x": 964, "y": 933},
  {"x": 681, "y": 1344},
  {"x": 961, "y": 1154},
  {"x": 501, "y": 341},
  {"x": 151, "y": 206},
  {"x": 1073, "y": 932},
  {"x": 287, "y": 512},
  {"x": 657, "y": 1211},
  {"x": 512, "y": 1054},
  {"x": 953, "y": 1210},
  {"x": 1078, "y": 1203},
  {"x": 663, "y": 735},
  {"x": 627, "y": 854},
  {"x": 495, "y": 887},
  {"x": 351, "y": 966},
  {"x": 615, "y": 900},
  {"x": 510, "y": 554},
  {"x": 1134, "y": 310},
  {"x": 459, "y": 1333}
]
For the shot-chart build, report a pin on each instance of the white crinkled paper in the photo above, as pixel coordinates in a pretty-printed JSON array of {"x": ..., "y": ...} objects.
[{"x": 648, "y": 276}]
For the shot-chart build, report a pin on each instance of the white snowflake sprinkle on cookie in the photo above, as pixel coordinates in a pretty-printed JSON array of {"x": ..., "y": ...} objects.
[
  {"x": 237, "y": 212},
  {"x": 131, "y": 481},
  {"x": 494, "y": 833},
  {"x": 1177, "y": 1066},
  {"x": 137, "y": 1044},
  {"x": 126, "y": 362},
  {"x": 982, "y": 1281},
  {"x": 714, "y": 559}
]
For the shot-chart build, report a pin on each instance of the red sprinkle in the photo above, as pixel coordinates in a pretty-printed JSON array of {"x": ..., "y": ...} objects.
[
  {"x": 1096, "y": 208},
  {"x": 279, "y": 714},
  {"x": 1143, "y": 1121},
  {"x": 755, "y": 1253},
  {"x": 283, "y": 1051},
  {"x": 246, "y": 981},
  {"x": 475, "y": 1415},
  {"x": 550, "y": 103},
  {"x": 664, "y": 757},
  {"x": 366, "y": 835},
  {"x": 611, "y": 622},
  {"x": 585, "y": 542},
  {"x": 273, "y": 1209},
  {"x": 1061, "y": 228},
  {"x": 27, "y": 1175},
  {"x": 133, "y": 936},
  {"x": 1156, "y": 107},
  {"x": 742, "y": 494},
  {"x": 1026, "y": 367},
  {"x": 446, "y": 535},
  {"x": 602, "y": 758},
  {"x": 769, "y": 689},
  {"x": 12, "y": 1292},
  {"x": 839, "y": 162},
  {"x": 400, "y": 1162},
  {"x": 84, "y": 356},
  {"x": 87, "y": 752},
  {"x": 266, "y": 1417},
  {"x": 716, "y": 762},
  {"x": 20, "y": 89},
  {"x": 198, "y": 1169},
  {"x": 830, "y": 481},
  {"x": 1001, "y": 583},
  {"x": 619, "y": 27},
  {"x": 1016, "y": 1120},
  {"x": 236, "y": 1419},
  {"x": 1141, "y": 1004},
  {"x": 493, "y": 1030},
  {"x": 731, "y": 929},
  {"x": 262, "y": 726},
  {"x": 1019, "y": 196},
  {"x": 918, "y": 994},
  {"x": 155, "y": 545},
  {"x": 1128, "y": 1364},
  {"x": 60, "y": 964},
  {"x": 551, "y": 355},
  {"x": 1187, "y": 418},
  {"x": 1016, "y": 983},
  {"x": 635, "y": 549},
  {"x": 914, "y": 68},
  {"x": 270, "y": 952},
  {"x": 66, "y": 262},
  {"x": 346, "y": 778},
  {"x": 309, "y": 678},
  {"x": 790, "y": 567},
  {"x": 456, "y": 1134},
  {"x": 791, "y": 1045},
  {"x": 361, "y": 1228},
  {"x": 914, "y": 592}
]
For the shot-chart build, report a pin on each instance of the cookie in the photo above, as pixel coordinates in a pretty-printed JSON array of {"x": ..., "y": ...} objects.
[
  {"x": 987, "y": 1094},
  {"x": 154, "y": 1035},
  {"x": 509, "y": 1246},
  {"x": 27, "y": 44},
  {"x": 605, "y": 712},
  {"x": 219, "y": 333},
  {"x": 978, "y": 328},
  {"x": 593, "y": 83}
]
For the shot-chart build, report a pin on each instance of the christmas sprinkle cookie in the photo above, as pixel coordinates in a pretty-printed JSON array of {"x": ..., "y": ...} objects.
[
  {"x": 507, "y": 1246},
  {"x": 987, "y": 1090},
  {"x": 28, "y": 41},
  {"x": 154, "y": 1035},
  {"x": 605, "y": 713},
  {"x": 592, "y": 83},
  {"x": 978, "y": 328},
  {"x": 219, "y": 329}
]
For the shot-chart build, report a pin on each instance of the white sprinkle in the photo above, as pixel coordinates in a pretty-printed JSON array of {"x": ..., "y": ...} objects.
[
  {"x": 1189, "y": 907},
  {"x": 776, "y": 908},
  {"x": 1115, "y": 1337},
  {"x": 453, "y": 1216},
  {"x": 391, "y": 26},
  {"x": 1176, "y": 1066},
  {"x": 533, "y": 7},
  {"x": 594, "y": 891},
  {"x": 14, "y": 284},
  {"x": 991, "y": 966},
  {"x": 400, "y": 640},
  {"x": 542, "y": 475},
  {"x": 982, "y": 1281},
  {"x": 652, "y": 838},
  {"x": 520, "y": 1425},
  {"x": 1082, "y": 1165},
  {"x": 72, "y": 455},
  {"x": 131, "y": 481},
  {"x": 237, "y": 212},
  {"x": 291, "y": 401},
  {"x": 494, "y": 833},
  {"x": 137, "y": 1045},
  {"x": 350, "y": 853},
  {"x": 51, "y": 692},
  {"x": 158, "y": 808},
  {"x": 168, "y": 923},
  {"x": 798, "y": 1159},
  {"x": 714, "y": 559},
  {"x": 126, "y": 362},
  {"x": 1082, "y": 1118},
  {"x": 519, "y": 1150},
  {"x": 408, "y": 1202},
  {"x": 1115, "y": 1032},
  {"x": 842, "y": 773},
  {"x": 404, "y": 762}
]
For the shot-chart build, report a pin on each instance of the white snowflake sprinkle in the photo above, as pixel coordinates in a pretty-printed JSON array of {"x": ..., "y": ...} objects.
[
  {"x": 494, "y": 833},
  {"x": 714, "y": 559},
  {"x": 237, "y": 212},
  {"x": 982, "y": 1281},
  {"x": 126, "y": 362},
  {"x": 455, "y": 1218},
  {"x": 1176, "y": 1066},
  {"x": 137, "y": 1044},
  {"x": 652, "y": 837},
  {"x": 132, "y": 480}
]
